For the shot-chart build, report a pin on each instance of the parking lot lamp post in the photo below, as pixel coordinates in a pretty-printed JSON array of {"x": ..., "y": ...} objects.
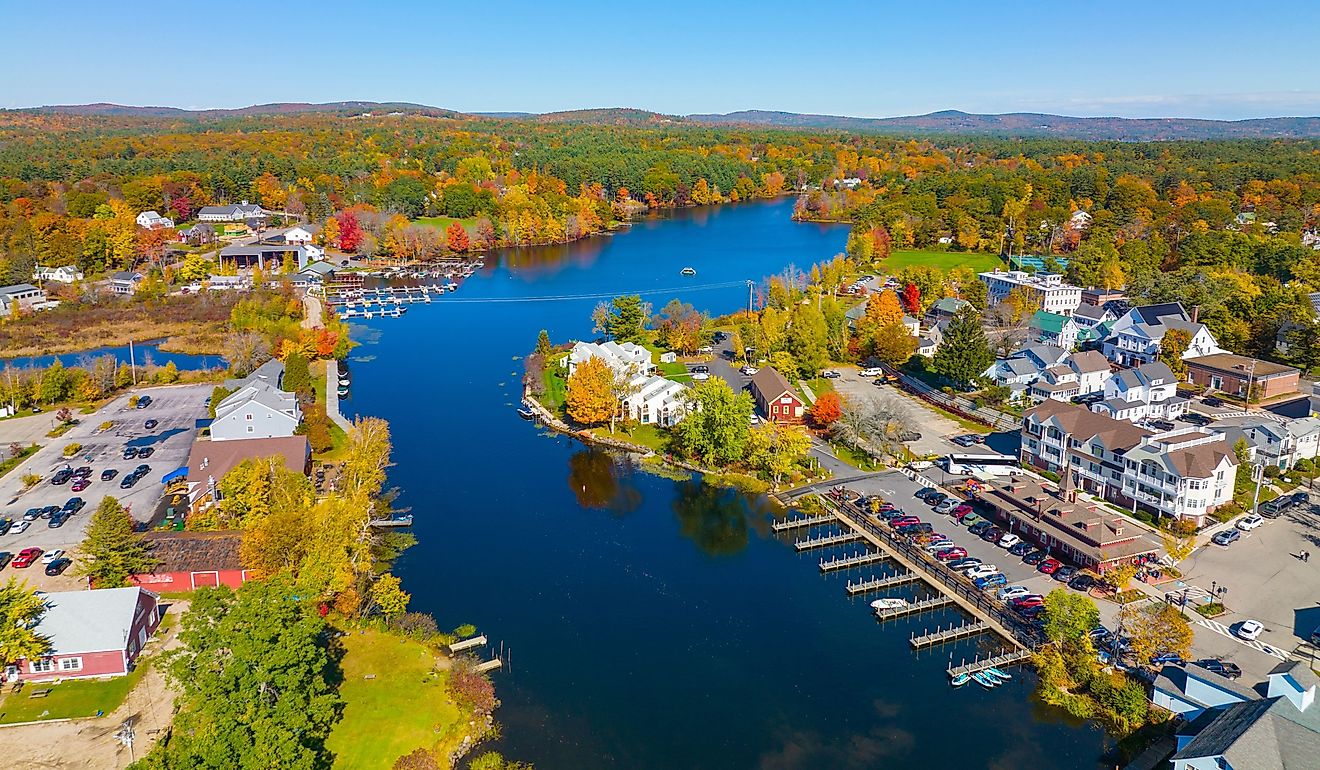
[{"x": 1257, "y": 475}]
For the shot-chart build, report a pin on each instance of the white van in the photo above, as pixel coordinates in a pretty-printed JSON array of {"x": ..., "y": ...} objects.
[{"x": 873, "y": 371}]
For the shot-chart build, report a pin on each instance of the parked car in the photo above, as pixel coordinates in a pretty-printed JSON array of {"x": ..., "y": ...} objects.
[
  {"x": 26, "y": 557},
  {"x": 961, "y": 511},
  {"x": 1222, "y": 667},
  {"x": 951, "y": 554},
  {"x": 21, "y": 526},
  {"x": 830, "y": 374},
  {"x": 1009, "y": 541},
  {"x": 74, "y": 504},
  {"x": 971, "y": 520},
  {"x": 1250, "y": 630},
  {"x": 1161, "y": 424},
  {"x": 109, "y": 474},
  {"x": 49, "y": 511},
  {"x": 981, "y": 570},
  {"x": 936, "y": 499},
  {"x": 992, "y": 535},
  {"x": 143, "y": 402},
  {"x": 963, "y": 441},
  {"x": 1034, "y": 557},
  {"x": 61, "y": 476},
  {"x": 1227, "y": 537},
  {"x": 871, "y": 371},
  {"x": 1008, "y": 593},
  {"x": 962, "y": 564},
  {"x": 1166, "y": 658},
  {"x": 58, "y": 566},
  {"x": 57, "y": 520},
  {"x": 130, "y": 452},
  {"x": 5, "y": 558},
  {"x": 916, "y": 529},
  {"x": 924, "y": 492},
  {"x": 1250, "y": 522},
  {"x": 79, "y": 485},
  {"x": 903, "y": 521},
  {"x": 1196, "y": 418},
  {"x": 128, "y": 481},
  {"x": 142, "y": 469},
  {"x": 980, "y": 527},
  {"x": 1022, "y": 549},
  {"x": 149, "y": 424},
  {"x": 1212, "y": 401},
  {"x": 83, "y": 472},
  {"x": 1300, "y": 497},
  {"x": 5, "y": 525},
  {"x": 990, "y": 581},
  {"x": 145, "y": 452},
  {"x": 947, "y": 505},
  {"x": 1031, "y": 613},
  {"x": 1271, "y": 509},
  {"x": 32, "y": 514},
  {"x": 749, "y": 370},
  {"x": 1064, "y": 574},
  {"x": 1082, "y": 583},
  {"x": 1049, "y": 566},
  {"x": 51, "y": 556}
]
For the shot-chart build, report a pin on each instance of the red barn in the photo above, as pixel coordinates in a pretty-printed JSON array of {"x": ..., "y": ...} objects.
[
  {"x": 775, "y": 397},
  {"x": 92, "y": 634},
  {"x": 186, "y": 561}
]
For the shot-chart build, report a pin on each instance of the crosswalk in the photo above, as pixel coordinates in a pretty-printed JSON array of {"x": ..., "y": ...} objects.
[{"x": 1220, "y": 628}]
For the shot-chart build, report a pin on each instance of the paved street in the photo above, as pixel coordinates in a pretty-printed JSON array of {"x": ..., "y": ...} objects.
[
  {"x": 27, "y": 429},
  {"x": 176, "y": 408}
]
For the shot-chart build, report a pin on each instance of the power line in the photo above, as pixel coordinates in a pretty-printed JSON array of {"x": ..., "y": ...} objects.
[{"x": 601, "y": 295}]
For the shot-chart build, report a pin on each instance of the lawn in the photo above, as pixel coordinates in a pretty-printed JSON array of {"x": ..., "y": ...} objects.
[
  {"x": 338, "y": 438},
  {"x": 13, "y": 462},
  {"x": 663, "y": 369},
  {"x": 648, "y": 436},
  {"x": 944, "y": 260},
  {"x": 69, "y": 700},
  {"x": 404, "y": 706},
  {"x": 444, "y": 222},
  {"x": 555, "y": 388}
]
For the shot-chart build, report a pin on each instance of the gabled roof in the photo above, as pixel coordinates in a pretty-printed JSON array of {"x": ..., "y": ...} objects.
[
  {"x": 1093, "y": 312},
  {"x": 1053, "y": 323},
  {"x": 271, "y": 372},
  {"x": 949, "y": 305},
  {"x": 258, "y": 392},
  {"x": 771, "y": 384},
  {"x": 1083, "y": 425},
  {"x": 1157, "y": 314},
  {"x": 1088, "y": 361},
  {"x": 213, "y": 459},
  {"x": 90, "y": 621}
]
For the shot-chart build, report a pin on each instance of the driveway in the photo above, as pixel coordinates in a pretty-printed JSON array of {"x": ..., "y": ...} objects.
[{"x": 176, "y": 408}]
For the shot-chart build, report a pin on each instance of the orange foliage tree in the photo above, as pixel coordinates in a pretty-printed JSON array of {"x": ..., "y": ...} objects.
[
  {"x": 457, "y": 237},
  {"x": 827, "y": 410}
]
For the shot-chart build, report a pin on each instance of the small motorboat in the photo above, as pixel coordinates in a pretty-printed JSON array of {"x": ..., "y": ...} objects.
[
  {"x": 960, "y": 680},
  {"x": 688, "y": 271},
  {"x": 996, "y": 672},
  {"x": 985, "y": 680},
  {"x": 527, "y": 414},
  {"x": 888, "y": 604}
]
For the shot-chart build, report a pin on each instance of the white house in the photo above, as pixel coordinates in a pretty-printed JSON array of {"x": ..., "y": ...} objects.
[
  {"x": 1080, "y": 220},
  {"x": 124, "y": 283},
  {"x": 234, "y": 212},
  {"x": 1135, "y": 337},
  {"x": 1048, "y": 289},
  {"x": 1184, "y": 473},
  {"x": 1148, "y": 391},
  {"x": 656, "y": 401},
  {"x": 622, "y": 358},
  {"x": 153, "y": 221},
  {"x": 1080, "y": 374},
  {"x": 1282, "y": 442},
  {"x": 257, "y": 410},
  {"x": 26, "y": 297},
  {"x": 65, "y": 274},
  {"x": 296, "y": 234}
]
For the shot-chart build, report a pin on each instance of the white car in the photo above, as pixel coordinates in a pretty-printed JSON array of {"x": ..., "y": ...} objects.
[
  {"x": 700, "y": 376},
  {"x": 51, "y": 556},
  {"x": 20, "y": 527},
  {"x": 749, "y": 370},
  {"x": 981, "y": 570},
  {"x": 1012, "y": 592},
  {"x": 939, "y": 545},
  {"x": 1248, "y": 523},
  {"x": 1250, "y": 630},
  {"x": 873, "y": 371},
  {"x": 947, "y": 505},
  {"x": 1009, "y": 540}
]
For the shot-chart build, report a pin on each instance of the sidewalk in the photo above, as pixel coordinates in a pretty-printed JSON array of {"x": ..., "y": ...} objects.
[{"x": 332, "y": 396}]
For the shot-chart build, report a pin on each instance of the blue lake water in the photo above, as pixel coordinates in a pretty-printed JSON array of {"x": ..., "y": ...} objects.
[
  {"x": 652, "y": 623},
  {"x": 145, "y": 354}
]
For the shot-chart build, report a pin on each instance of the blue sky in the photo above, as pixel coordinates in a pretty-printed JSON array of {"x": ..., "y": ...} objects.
[{"x": 873, "y": 59}]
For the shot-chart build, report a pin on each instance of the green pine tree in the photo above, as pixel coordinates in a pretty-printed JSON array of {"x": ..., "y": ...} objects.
[
  {"x": 297, "y": 374},
  {"x": 543, "y": 345},
  {"x": 112, "y": 551},
  {"x": 965, "y": 353}
]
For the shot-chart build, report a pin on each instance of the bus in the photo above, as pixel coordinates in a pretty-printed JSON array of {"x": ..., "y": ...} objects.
[{"x": 980, "y": 464}]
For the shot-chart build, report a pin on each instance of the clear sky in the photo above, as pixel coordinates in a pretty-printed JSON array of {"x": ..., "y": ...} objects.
[{"x": 1156, "y": 58}]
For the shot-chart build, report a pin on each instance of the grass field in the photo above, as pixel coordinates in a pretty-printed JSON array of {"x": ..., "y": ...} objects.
[
  {"x": 69, "y": 700},
  {"x": 403, "y": 707},
  {"x": 648, "y": 436},
  {"x": 944, "y": 260},
  {"x": 444, "y": 222}
]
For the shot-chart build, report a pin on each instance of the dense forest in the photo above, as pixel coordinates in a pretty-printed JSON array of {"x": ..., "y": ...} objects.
[{"x": 1224, "y": 225}]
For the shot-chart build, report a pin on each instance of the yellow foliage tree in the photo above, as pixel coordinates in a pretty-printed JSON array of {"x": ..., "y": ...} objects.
[{"x": 590, "y": 398}]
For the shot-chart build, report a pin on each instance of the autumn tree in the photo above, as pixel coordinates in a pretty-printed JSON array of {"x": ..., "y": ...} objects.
[
  {"x": 329, "y": 235},
  {"x": 590, "y": 397},
  {"x": 882, "y": 243},
  {"x": 776, "y": 449},
  {"x": 912, "y": 299},
  {"x": 882, "y": 310},
  {"x": 457, "y": 238},
  {"x": 679, "y": 326},
  {"x": 716, "y": 427},
  {"x": 1156, "y": 628},
  {"x": 893, "y": 344},
  {"x": 623, "y": 319},
  {"x": 350, "y": 231},
  {"x": 827, "y": 409},
  {"x": 1173, "y": 346}
]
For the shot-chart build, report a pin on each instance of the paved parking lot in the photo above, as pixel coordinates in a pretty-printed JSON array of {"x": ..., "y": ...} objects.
[
  {"x": 176, "y": 408},
  {"x": 935, "y": 428}
]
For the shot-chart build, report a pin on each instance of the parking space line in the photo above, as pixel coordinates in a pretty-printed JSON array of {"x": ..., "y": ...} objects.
[{"x": 1220, "y": 628}]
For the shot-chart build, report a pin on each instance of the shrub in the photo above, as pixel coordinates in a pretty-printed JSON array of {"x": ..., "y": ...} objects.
[
  {"x": 1144, "y": 516},
  {"x": 1305, "y": 465},
  {"x": 31, "y": 479},
  {"x": 72, "y": 449},
  {"x": 466, "y": 630},
  {"x": 420, "y": 759},
  {"x": 418, "y": 625},
  {"x": 472, "y": 688}
]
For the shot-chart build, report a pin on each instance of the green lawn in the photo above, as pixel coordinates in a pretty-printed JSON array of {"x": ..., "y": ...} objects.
[
  {"x": 648, "y": 436},
  {"x": 944, "y": 260},
  {"x": 556, "y": 387},
  {"x": 338, "y": 438},
  {"x": 405, "y": 706},
  {"x": 11, "y": 463},
  {"x": 68, "y": 700},
  {"x": 444, "y": 222}
]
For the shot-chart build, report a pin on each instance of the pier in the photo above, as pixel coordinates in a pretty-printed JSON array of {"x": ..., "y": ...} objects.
[
  {"x": 847, "y": 562},
  {"x": 998, "y": 661},
  {"x": 940, "y": 636},
  {"x": 468, "y": 644},
  {"x": 828, "y": 540},
  {"x": 808, "y": 521},
  {"x": 925, "y": 605},
  {"x": 877, "y": 583},
  {"x": 489, "y": 665}
]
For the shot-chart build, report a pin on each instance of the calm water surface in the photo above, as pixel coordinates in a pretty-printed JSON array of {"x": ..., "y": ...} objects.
[
  {"x": 145, "y": 354},
  {"x": 652, "y": 623}
]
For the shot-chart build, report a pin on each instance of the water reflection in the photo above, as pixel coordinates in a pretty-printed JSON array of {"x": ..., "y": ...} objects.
[
  {"x": 714, "y": 518},
  {"x": 599, "y": 480}
]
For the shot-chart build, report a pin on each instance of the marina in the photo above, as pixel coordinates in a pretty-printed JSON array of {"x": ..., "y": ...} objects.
[
  {"x": 800, "y": 522},
  {"x": 827, "y": 540},
  {"x": 853, "y": 560},
  {"x": 925, "y": 605},
  {"x": 942, "y": 635},
  {"x": 878, "y": 583}
]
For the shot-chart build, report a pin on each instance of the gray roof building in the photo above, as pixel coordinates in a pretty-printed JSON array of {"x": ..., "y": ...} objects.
[{"x": 89, "y": 621}]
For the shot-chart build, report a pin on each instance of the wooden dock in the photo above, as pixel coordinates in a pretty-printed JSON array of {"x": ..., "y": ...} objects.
[
  {"x": 940, "y": 636},
  {"x": 848, "y": 562},
  {"x": 875, "y": 583},
  {"x": 825, "y": 541},
  {"x": 998, "y": 661},
  {"x": 798, "y": 523},
  {"x": 925, "y": 605},
  {"x": 489, "y": 665},
  {"x": 468, "y": 644}
]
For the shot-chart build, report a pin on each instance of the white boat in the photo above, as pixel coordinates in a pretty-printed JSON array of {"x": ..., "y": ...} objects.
[
  {"x": 888, "y": 604},
  {"x": 688, "y": 271}
]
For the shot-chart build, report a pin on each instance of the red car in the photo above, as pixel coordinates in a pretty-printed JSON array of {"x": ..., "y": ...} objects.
[
  {"x": 26, "y": 557},
  {"x": 80, "y": 484},
  {"x": 1049, "y": 566},
  {"x": 903, "y": 521},
  {"x": 961, "y": 511},
  {"x": 882, "y": 507},
  {"x": 949, "y": 554},
  {"x": 1030, "y": 600}
]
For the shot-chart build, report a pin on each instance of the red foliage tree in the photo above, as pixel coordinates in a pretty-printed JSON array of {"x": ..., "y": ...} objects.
[
  {"x": 912, "y": 299},
  {"x": 457, "y": 237},
  {"x": 350, "y": 232},
  {"x": 827, "y": 410},
  {"x": 881, "y": 242}
]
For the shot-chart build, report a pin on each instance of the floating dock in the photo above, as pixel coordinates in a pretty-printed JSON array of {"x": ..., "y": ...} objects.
[
  {"x": 468, "y": 644},
  {"x": 877, "y": 583},
  {"x": 489, "y": 665},
  {"x": 940, "y": 636},
  {"x": 998, "y": 661},
  {"x": 827, "y": 540},
  {"x": 925, "y": 605},
  {"x": 797, "y": 523},
  {"x": 855, "y": 560}
]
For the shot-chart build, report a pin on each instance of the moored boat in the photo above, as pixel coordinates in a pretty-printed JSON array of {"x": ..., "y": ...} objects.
[
  {"x": 688, "y": 271},
  {"x": 985, "y": 680},
  {"x": 960, "y": 680},
  {"x": 996, "y": 672},
  {"x": 888, "y": 604}
]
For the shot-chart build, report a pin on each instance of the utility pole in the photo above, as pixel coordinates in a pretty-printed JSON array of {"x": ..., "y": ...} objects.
[
  {"x": 1257, "y": 475},
  {"x": 132, "y": 362}
]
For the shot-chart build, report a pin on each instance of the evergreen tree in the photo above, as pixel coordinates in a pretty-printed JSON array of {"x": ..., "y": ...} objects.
[
  {"x": 112, "y": 551},
  {"x": 626, "y": 321},
  {"x": 543, "y": 346},
  {"x": 20, "y": 612},
  {"x": 297, "y": 373},
  {"x": 965, "y": 353},
  {"x": 807, "y": 338}
]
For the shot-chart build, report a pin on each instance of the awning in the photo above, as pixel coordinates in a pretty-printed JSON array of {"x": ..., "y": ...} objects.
[{"x": 177, "y": 473}]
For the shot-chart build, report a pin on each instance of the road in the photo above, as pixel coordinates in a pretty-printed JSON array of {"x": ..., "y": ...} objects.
[
  {"x": 176, "y": 408},
  {"x": 27, "y": 429}
]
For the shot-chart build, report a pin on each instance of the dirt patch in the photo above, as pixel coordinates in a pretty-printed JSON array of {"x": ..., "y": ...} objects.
[{"x": 92, "y": 743}]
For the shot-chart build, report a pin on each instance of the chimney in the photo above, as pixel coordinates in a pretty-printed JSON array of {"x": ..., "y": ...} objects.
[{"x": 1196, "y": 312}]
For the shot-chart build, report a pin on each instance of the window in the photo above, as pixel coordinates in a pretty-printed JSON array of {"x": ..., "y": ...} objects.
[
  {"x": 249, "y": 430},
  {"x": 248, "y": 417},
  {"x": 71, "y": 664},
  {"x": 42, "y": 666}
]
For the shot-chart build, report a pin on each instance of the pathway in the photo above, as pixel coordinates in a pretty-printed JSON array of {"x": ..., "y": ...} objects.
[{"x": 332, "y": 396}]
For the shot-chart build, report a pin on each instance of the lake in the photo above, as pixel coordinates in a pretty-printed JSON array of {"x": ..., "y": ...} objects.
[
  {"x": 145, "y": 354},
  {"x": 652, "y": 623}
]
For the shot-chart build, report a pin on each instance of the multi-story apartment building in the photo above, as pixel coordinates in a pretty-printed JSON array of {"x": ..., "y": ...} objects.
[
  {"x": 1053, "y": 294},
  {"x": 1134, "y": 338}
]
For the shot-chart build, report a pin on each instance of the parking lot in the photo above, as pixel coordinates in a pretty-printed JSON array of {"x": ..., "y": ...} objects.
[
  {"x": 175, "y": 408},
  {"x": 935, "y": 428}
]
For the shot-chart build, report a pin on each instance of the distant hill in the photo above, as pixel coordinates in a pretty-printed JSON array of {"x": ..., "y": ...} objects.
[
  {"x": 945, "y": 122},
  {"x": 1035, "y": 124}
]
